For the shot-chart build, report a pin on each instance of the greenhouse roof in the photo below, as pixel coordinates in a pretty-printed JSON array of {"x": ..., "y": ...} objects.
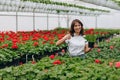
[
  {"x": 47, "y": 6},
  {"x": 113, "y": 4}
]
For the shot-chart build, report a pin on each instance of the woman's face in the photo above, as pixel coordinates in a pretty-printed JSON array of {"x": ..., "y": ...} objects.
[{"x": 77, "y": 27}]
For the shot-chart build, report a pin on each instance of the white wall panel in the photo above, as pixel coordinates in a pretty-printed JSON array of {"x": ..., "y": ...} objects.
[
  {"x": 25, "y": 23},
  {"x": 7, "y": 23},
  {"x": 40, "y": 23}
]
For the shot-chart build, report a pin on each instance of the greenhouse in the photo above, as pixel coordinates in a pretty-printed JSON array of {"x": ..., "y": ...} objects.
[{"x": 59, "y": 39}]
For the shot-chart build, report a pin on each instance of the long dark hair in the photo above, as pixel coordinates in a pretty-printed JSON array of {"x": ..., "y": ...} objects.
[{"x": 72, "y": 27}]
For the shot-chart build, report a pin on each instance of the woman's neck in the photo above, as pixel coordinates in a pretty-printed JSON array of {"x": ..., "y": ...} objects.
[{"x": 77, "y": 34}]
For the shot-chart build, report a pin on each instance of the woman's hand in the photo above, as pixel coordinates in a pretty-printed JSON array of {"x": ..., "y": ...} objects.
[
  {"x": 87, "y": 49},
  {"x": 63, "y": 39},
  {"x": 68, "y": 36}
]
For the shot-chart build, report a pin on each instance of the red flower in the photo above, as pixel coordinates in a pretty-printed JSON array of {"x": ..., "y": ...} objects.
[
  {"x": 25, "y": 38},
  {"x": 45, "y": 38},
  {"x": 35, "y": 38},
  {"x": 51, "y": 42},
  {"x": 97, "y": 61},
  {"x": 111, "y": 47},
  {"x": 1, "y": 39},
  {"x": 43, "y": 42},
  {"x": 33, "y": 62},
  {"x": 14, "y": 46},
  {"x": 14, "y": 40},
  {"x": 91, "y": 29},
  {"x": 4, "y": 45},
  {"x": 98, "y": 50},
  {"x": 63, "y": 50},
  {"x": 52, "y": 56},
  {"x": 57, "y": 62},
  {"x": 60, "y": 36},
  {"x": 117, "y": 64},
  {"x": 36, "y": 44}
]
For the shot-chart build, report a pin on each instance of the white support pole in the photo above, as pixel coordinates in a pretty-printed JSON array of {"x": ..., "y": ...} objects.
[
  {"x": 16, "y": 21},
  {"x": 67, "y": 20},
  {"x": 33, "y": 20},
  {"x": 47, "y": 21},
  {"x": 26, "y": 58},
  {"x": 58, "y": 20},
  {"x": 96, "y": 22}
]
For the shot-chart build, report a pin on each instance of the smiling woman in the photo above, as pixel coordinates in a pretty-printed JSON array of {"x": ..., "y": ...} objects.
[{"x": 77, "y": 44}]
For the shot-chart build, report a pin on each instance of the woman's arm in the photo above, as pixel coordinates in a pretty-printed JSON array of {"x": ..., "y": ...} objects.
[{"x": 63, "y": 39}]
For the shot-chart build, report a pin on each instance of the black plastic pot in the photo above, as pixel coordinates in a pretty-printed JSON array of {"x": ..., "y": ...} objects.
[{"x": 91, "y": 44}]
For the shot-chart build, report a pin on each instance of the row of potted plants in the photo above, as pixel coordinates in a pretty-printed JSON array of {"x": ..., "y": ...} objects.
[
  {"x": 107, "y": 49},
  {"x": 22, "y": 45},
  {"x": 99, "y": 64},
  {"x": 16, "y": 45}
]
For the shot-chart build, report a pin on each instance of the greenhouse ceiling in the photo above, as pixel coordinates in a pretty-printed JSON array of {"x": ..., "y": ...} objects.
[
  {"x": 47, "y": 6},
  {"x": 113, "y": 4}
]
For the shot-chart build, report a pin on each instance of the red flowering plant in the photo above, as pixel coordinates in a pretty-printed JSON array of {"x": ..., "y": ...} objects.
[
  {"x": 56, "y": 62},
  {"x": 52, "y": 56},
  {"x": 117, "y": 64},
  {"x": 97, "y": 61}
]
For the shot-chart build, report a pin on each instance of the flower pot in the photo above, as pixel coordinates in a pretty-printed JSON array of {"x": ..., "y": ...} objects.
[
  {"x": 100, "y": 39},
  {"x": 91, "y": 44}
]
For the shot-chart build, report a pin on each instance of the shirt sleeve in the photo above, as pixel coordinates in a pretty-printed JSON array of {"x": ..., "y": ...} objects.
[
  {"x": 67, "y": 41},
  {"x": 86, "y": 42}
]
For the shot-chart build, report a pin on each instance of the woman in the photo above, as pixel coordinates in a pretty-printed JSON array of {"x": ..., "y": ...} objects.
[{"x": 77, "y": 44}]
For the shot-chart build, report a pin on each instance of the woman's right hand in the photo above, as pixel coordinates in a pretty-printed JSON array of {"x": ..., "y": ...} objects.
[{"x": 67, "y": 36}]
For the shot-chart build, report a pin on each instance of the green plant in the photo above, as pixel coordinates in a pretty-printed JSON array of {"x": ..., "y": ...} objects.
[{"x": 90, "y": 35}]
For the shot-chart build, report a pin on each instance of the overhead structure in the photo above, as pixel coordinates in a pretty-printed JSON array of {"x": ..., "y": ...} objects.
[
  {"x": 113, "y": 4},
  {"x": 47, "y": 6}
]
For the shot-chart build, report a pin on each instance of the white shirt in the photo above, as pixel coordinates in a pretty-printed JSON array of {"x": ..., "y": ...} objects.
[{"x": 76, "y": 45}]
